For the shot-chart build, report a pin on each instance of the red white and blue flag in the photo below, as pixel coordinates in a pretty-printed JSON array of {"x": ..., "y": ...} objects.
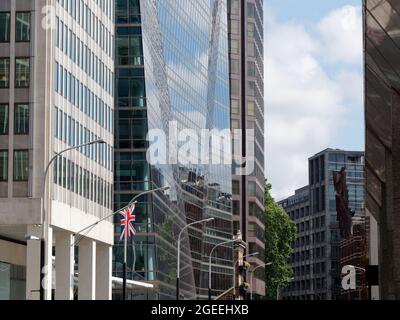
[{"x": 127, "y": 221}]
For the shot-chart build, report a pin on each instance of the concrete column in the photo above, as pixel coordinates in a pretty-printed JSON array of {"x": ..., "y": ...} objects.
[
  {"x": 33, "y": 265},
  {"x": 87, "y": 270},
  {"x": 103, "y": 271},
  {"x": 64, "y": 265}
]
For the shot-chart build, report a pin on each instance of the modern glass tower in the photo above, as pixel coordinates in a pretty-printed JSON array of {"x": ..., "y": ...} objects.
[{"x": 172, "y": 74}]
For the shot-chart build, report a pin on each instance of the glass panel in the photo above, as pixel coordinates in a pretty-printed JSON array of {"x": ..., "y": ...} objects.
[
  {"x": 21, "y": 165},
  {"x": 22, "y": 26},
  {"x": 21, "y": 119},
  {"x": 3, "y": 165},
  {"x": 22, "y": 73},
  {"x": 3, "y": 119},
  {"x": 4, "y": 72},
  {"x": 5, "y": 26}
]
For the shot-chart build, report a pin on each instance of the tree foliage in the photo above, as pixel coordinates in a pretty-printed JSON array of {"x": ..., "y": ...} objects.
[{"x": 280, "y": 233}]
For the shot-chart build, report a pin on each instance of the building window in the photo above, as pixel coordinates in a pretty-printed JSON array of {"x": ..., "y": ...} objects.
[
  {"x": 22, "y": 26},
  {"x": 250, "y": 29},
  {"x": 235, "y": 87},
  {"x": 5, "y": 26},
  {"x": 251, "y": 69},
  {"x": 234, "y": 26},
  {"x": 21, "y": 119},
  {"x": 3, "y": 165},
  {"x": 251, "y": 189},
  {"x": 21, "y": 165},
  {"x": 129, "y": 50},
  {"x": 235, "y": 106},
  {"x": 22, "y": 72},
  {"x": 251, "y": 10},
  {"x": 4, "y": 72},
  {"x": 233, "y": 6},
  {"x": 235, "y": 187},
  {"x": 234, "y": 66},
  {"x": 250, "y": 108},
  {"x": 251, "y": 87},
  {"x": 3, "y": 119},
  {"x": 234, "y": 46},
  {"x": 251, "y": 49}
]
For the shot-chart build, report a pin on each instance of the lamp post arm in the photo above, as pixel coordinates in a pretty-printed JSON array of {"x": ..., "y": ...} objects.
[{"x": 115, "y": 212}]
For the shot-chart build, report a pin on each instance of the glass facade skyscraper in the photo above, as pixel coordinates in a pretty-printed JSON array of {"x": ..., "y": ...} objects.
[{"x": 172, "y": 74}]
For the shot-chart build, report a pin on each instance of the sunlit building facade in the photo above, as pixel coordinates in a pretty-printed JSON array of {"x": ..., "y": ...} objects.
[
  {"x": 172, "y": 74},
  {"x": 56, "y": 92},
  {"x": 246, "y": 57}
]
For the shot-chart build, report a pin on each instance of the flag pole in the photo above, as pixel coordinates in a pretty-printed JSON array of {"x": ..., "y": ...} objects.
[
  {"x": 125, "y": 254},
  {"x": 126, "y": 235}
]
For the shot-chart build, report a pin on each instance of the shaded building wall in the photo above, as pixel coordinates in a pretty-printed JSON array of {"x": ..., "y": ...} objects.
[{"x": 382, "y": 118}]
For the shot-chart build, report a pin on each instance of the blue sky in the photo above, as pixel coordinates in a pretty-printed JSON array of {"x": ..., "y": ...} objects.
[{"x": 313, "y": 85}]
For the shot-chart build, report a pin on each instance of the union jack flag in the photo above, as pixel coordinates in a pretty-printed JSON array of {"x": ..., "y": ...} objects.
[{"x": 127, "y": 221}]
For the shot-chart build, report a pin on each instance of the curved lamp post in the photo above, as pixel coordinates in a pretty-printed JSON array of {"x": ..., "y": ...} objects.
[
  {"x": 209, "y": 263},
  {"x": 251, "y": 277},
  {"x": 179, "y": 251},
  {"x": 44, "y": 218}
]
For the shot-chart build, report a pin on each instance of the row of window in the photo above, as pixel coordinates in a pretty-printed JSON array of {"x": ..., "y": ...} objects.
[
  {"x": 84, "y": 57},
  {"x": 93, "y": 26},
  {"x": 22, "y": 26},
  {"x": 20, "y": 166},
  {"x": 73, "y": 133},
  {"x": 82, "y": 97},
  {"x": 72, "y": 7},
  {"x": 22, "y": 72},
  {"x": 21, "y": 118},
  {"x": 76, "y": 179}
]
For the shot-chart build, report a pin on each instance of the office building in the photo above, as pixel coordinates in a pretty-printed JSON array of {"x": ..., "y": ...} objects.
[
  {"x": 172, "y": 74},
  {"x": 246, "y": 57},
  {"x": 56, "y": 92},
  {"x": 382, "y": 119},
  {"x": 316, "y": 259}
]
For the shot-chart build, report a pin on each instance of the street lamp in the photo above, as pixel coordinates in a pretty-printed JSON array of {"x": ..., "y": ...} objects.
[
  {"x": 278, "y": 288},
  {"x": 209, "y": 263},
  {"x": 46, "y": 220},
  {"x": 251, "y": 277},
  {"x": 133, "y": 200},
  {"x": 234, "y": 271},
  {"x": 179, "y": 251}
]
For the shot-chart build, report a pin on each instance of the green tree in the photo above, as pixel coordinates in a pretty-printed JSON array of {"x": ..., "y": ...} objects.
[{"x": 280, "y": 233}]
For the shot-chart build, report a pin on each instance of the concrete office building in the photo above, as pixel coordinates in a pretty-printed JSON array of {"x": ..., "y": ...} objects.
[
  {"x": 172, "y": 74},
  {"x": 56, "y": 92},
  {"x": 246, "y": 56},
  {"x": 382, "y": 119},
  {"x": 316, "y": 260}
]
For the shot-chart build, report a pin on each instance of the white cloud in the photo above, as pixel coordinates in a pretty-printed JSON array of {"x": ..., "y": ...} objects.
[
  {"x": 341, "y": 33},
  {"x": 304, "y": 101}
]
